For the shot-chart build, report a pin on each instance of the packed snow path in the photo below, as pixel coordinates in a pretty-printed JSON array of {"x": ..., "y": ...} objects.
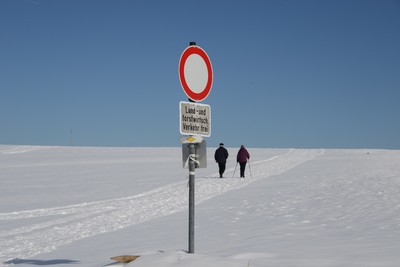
[{"x": 46, "y": 229}]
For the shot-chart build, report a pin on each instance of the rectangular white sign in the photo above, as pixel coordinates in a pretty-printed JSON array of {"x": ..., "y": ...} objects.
[{"x": 195, "y": 119}]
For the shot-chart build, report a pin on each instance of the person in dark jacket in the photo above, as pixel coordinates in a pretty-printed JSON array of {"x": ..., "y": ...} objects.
[
  {"x": 220, "y": 156},
  {"x": 242, "y": 157}
]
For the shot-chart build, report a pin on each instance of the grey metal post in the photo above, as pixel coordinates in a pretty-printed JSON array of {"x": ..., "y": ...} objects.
[
  {"x": 70, "y": 137},
  {"x": 192, "y": 167}
]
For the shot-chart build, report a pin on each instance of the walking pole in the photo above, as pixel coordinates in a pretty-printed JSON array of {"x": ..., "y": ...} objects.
[
  {"x": 234, "y": 170},
  {"x": 250, "y": 169}
]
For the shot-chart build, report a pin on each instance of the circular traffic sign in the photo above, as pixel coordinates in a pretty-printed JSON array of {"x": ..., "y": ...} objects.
[{"x": 195, "y": 73}]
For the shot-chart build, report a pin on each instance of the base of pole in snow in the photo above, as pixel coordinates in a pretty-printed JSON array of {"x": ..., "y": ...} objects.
[
  {"x": 233, "y": 175},
  {"x": 250, "y": 169}
]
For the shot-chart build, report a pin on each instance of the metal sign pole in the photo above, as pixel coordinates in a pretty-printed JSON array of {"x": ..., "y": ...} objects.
[
  {"x": 192, "y": 166},
  {"x": 191, "y": 82}
]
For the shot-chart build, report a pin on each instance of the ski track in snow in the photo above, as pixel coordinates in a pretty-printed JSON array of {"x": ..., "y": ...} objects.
[
  {"x": 63, "y": 225},
  {"x": 20, "y": 149}
]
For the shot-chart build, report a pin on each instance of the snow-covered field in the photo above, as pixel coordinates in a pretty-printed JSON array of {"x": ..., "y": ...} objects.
[{"x": 78, "y": 206}]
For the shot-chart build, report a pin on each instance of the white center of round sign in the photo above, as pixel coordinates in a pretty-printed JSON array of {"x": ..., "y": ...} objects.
[{"x": 196, "y": 73}]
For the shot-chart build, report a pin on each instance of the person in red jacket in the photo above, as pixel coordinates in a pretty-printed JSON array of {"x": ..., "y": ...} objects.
[{"x": 242, "y": 157}]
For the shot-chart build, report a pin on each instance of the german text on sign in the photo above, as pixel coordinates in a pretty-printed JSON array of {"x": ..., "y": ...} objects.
[{"x": 195, "y": 119}]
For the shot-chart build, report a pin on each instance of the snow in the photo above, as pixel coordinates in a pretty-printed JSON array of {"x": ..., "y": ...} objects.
[{"x": 69, "y": 206}]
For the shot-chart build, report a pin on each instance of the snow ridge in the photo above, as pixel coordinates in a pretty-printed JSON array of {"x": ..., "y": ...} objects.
[
  {"x": 19, "y": 149},
  {"x": 63, "y": 225}
]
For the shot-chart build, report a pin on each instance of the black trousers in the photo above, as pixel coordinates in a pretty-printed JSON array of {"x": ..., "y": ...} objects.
[
  {"x": 242, "y": 168},
  {"x": 222, "y": 167}
]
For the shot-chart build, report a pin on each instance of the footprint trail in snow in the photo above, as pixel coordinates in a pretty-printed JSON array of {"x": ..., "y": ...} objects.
[{"x": 63, "y": 225}]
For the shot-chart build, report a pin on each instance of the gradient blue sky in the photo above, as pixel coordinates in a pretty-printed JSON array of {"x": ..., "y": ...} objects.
[{"x": 303, "y": 74}]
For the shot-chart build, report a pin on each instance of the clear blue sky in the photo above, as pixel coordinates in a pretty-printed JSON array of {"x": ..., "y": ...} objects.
[{"x": 289, "y": 73}]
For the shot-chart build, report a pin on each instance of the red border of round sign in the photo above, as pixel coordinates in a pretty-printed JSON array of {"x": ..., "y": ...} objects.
[{"x": 192, "y": 95}]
